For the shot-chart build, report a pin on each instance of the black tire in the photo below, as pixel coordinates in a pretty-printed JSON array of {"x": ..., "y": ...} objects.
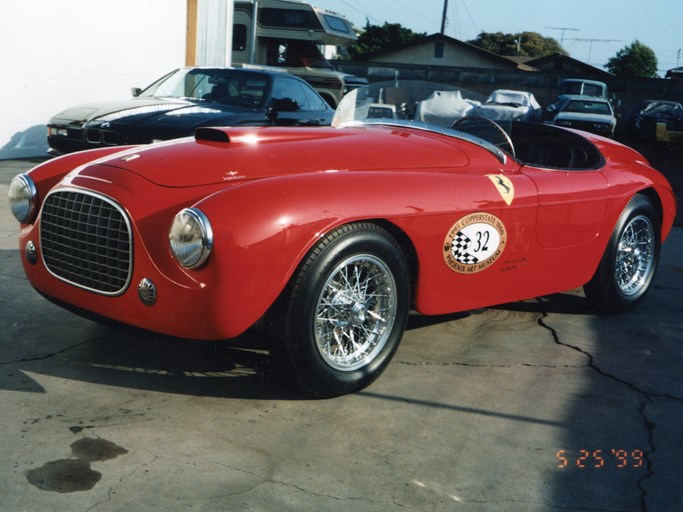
[
  {"x": 628, "y": 266},
  {"x": 341, "y": 319}
]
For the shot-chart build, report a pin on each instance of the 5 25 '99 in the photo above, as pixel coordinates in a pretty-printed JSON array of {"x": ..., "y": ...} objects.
[{"x": 598, "y": 459}]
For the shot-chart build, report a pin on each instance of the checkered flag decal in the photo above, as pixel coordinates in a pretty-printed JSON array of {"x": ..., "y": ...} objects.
[{"x": 459, "y": 246}]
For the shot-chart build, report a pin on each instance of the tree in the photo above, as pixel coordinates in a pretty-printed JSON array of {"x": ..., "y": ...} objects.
[
  {"x": 635, "y": 60},
  {"x": 375, "y": 38},
  {"x": 523, "y": 44}
]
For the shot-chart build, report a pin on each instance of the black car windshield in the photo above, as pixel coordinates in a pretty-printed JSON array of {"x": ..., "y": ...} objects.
[
  {"x": 230, "y": 86},
  {"x": 588, "y": 107}
]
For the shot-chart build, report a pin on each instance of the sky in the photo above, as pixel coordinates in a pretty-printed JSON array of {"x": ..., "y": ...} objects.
[{"x": 595, "y": 30}]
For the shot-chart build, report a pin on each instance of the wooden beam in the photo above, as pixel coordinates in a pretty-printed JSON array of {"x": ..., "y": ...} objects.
[{"x": 191, "y": 34}]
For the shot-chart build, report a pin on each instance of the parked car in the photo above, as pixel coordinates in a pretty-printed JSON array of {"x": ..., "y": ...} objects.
[
  {"x": 185, "y": 99},
  {"x": 652, "y": 117},
  {"x": 593, "y": 115},
  {"x": 333, "y": 235},
  {"x": 505, "y": 106},
  {"x": 574, "y": 87}
]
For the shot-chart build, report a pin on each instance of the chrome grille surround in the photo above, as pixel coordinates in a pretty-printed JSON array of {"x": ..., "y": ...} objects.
[{"x": 86, "y": 241}]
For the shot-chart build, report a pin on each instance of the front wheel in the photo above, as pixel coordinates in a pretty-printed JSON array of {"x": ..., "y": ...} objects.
[
  {"x": 628, "y": 266},
  {"x": 341, "y": 319}
]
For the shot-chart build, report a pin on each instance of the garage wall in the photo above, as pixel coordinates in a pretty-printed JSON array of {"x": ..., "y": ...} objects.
[{"x": 58, "y": 54}]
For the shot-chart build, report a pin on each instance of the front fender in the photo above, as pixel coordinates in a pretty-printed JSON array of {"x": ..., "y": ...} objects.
[
  {"x": 264, "y": 229},
  {"x": 49, "y": 173}
]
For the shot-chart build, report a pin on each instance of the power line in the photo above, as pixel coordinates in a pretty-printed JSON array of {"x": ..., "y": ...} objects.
[{"x": 367, "y": 16}]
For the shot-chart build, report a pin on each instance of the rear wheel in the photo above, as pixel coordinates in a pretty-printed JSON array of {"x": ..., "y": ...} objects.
[
  {"x": 340, "y": 321},
  {"x": 628, "y": 266}
]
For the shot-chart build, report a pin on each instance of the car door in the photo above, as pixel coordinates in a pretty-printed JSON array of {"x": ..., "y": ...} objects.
[{"x": 571, "y": 205}]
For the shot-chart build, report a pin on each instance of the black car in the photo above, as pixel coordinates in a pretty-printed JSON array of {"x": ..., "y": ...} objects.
[
  {"x": 641, "y": 122},
  {"x": 185, "y": 99}
]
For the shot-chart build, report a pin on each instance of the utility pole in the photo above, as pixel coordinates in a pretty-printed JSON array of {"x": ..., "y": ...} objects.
[
  {"x": 443, "y": 18},
  {"x": 563, "y": 29}
]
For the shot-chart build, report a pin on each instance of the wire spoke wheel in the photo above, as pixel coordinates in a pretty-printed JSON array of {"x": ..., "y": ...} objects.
[
  {"x": 635, "y": 255},
  {"x": 355, "y": 312},
  {"x": 629, "y": 264},
  {"x": 341, "y": 319}
]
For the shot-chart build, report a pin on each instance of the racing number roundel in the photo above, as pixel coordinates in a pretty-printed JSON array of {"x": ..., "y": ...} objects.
[{"x": 474, "y": 242}]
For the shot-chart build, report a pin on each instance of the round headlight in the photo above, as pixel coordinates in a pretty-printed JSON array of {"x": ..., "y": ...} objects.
[
  {"x": 23, "y": 198},
  {"x": 191, "y": 237}
]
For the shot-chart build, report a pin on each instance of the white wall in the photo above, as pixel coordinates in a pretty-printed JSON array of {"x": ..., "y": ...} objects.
[{"x": 55, "y": 54}]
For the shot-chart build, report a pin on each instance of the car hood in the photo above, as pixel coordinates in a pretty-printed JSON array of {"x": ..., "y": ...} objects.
[
  {"x": 225, "y": 155},
  {"x": 140, "y": 110}
]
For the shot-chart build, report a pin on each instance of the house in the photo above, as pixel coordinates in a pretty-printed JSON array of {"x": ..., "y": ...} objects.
[{"x": 442, "y": 50}]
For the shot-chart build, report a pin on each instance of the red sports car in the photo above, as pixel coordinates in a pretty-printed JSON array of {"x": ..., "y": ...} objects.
[{"x": 333, "y": 234}]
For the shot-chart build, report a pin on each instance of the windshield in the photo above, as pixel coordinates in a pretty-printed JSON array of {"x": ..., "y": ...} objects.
[
  {"x": 583, "y": 88},
  {"x": 424, "y": 105},
  {"x": 588, "y": 107},
  {"x": 230, "y": 86},
  {"x": 414, "y": 100}
]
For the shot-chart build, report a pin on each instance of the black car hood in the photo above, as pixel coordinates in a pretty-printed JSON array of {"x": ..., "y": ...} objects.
[{"x": 142, "y": 110}]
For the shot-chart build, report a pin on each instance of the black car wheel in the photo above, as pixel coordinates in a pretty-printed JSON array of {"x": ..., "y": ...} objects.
[
  {"x": 343, "y": 316},
  {"x": 628, "y": 266}
]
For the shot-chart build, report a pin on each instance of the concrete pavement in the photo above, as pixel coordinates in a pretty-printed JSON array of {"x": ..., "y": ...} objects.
[{"x": 532, "y": 406}]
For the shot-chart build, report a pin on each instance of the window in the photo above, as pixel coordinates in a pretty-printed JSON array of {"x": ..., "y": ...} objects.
[
  {"x": 296, "y": 95},
  {"x": 336, "y": 23},
  {"x": 239, "y": 37},
  {"x": 439, "y": 50},
  {"x": 288, "y": 18},
  {"x": 285, "y": 91}
]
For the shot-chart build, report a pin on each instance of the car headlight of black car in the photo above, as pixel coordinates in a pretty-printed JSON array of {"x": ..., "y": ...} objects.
[
  {"x": 191, "y": 238},
  {"x": 23, "y": 198}
]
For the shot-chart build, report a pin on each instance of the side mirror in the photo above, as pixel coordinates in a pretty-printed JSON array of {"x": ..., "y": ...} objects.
[{"x": 135, "y": 91}]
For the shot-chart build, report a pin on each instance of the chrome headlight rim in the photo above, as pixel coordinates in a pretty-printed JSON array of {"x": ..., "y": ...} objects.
[
  {"x": 23, "y": 198},
  {"x": 191, "y": 238}
]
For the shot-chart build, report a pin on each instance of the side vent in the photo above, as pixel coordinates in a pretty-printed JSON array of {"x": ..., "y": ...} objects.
[{"x": 211, "y": 135}]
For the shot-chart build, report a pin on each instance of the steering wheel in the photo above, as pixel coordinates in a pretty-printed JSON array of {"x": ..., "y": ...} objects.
[{"x": 485, "y": 129}]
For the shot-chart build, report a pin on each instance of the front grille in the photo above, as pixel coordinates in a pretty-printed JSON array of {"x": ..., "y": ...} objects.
[
  {"x": 95, "y": 136},
  {"x": 86, "y": 241}
]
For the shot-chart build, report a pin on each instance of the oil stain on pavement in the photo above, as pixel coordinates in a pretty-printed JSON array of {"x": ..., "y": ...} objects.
[{"x": 75, "y": 474}]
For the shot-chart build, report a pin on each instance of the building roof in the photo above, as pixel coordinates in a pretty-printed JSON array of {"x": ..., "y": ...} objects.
[
  {"x": 675, "y": 73},
  {"x": 560, "y": 63},
  {"x": 473, "y": 50}
]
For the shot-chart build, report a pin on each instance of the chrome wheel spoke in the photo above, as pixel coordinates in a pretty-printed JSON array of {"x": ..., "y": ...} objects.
[
  {"x": 355, "y": 312},
  {"x": 635, "y": 256}
]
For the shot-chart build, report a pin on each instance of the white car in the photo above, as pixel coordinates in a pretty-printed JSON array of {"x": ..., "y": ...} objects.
[
  {"x": 589, "y": 114},
  {"x": 507, "y": 105}
]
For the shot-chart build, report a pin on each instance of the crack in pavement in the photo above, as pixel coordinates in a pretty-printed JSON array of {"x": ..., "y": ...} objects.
[
  {"x": 52, "y": 354},
  {"x": 647, "y": 397}
]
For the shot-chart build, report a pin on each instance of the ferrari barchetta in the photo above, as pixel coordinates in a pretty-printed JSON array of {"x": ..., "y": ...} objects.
[{"x": 330, "y": 236}]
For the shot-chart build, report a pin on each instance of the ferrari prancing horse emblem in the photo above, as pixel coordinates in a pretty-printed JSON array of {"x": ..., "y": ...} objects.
[
  {"x": 504, "y": 186},
  {"x": 474, "y": 243}
]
